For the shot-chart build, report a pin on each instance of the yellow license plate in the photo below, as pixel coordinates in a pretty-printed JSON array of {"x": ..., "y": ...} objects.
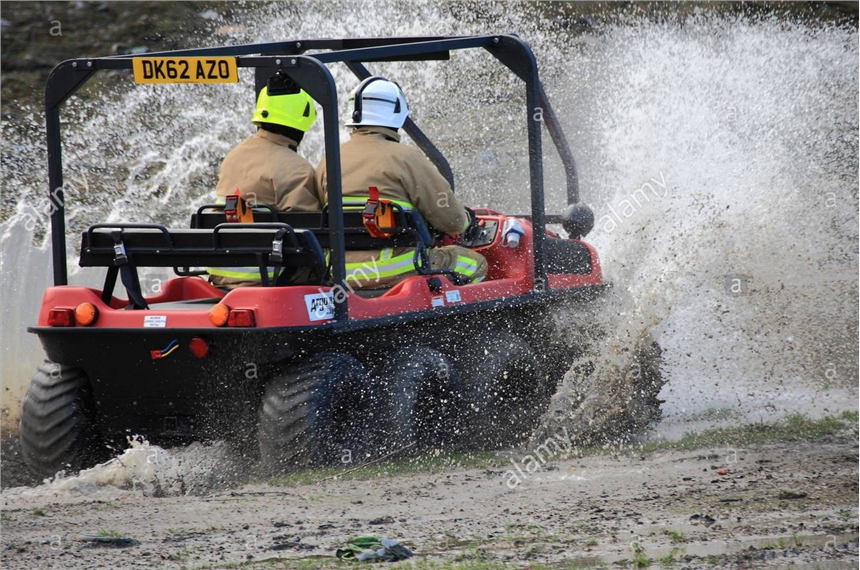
[{"x": 185, "y": 70}]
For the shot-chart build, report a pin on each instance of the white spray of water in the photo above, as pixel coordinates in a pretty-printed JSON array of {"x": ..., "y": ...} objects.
[
  {"x": 149, "y": 469},
  {"x": 744, "y": 260},
  {"x": 748, "y": 260}
]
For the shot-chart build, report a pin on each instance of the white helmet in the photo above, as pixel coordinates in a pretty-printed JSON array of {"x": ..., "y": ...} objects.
[{"x": 378, "y": 102}]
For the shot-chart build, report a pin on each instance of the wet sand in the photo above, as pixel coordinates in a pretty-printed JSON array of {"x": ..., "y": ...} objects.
[{"x": 776, "y": 505}]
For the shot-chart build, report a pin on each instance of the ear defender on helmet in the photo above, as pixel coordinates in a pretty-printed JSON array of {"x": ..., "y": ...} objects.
[
  {"x": 378, "y": 102},
  {"x": 357, "y": 97}
]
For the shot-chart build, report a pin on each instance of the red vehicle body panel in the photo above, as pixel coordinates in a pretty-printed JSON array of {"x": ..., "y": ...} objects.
[{"x": 510, "y": 272}]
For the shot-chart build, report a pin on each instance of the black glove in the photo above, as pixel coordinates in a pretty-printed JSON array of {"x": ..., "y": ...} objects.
[{"x": 472, "y": 232}]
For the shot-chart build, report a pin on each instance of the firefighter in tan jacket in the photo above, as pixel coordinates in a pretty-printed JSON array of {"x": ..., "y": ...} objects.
[
  {"x": 374, "y": 157},
  {"x": 265, "y": 168}
]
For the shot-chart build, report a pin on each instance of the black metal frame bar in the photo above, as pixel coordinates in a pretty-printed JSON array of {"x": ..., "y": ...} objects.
[{"x": 311, "y": 73}]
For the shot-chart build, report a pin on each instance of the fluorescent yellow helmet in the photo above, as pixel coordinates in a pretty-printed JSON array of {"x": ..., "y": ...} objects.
[{"x": 295, "y": 110}]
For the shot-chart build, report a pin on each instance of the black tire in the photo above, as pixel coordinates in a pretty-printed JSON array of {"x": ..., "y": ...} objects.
[
  {"x": 504, "y": 387},
  {"x": 315, "y": 413},
  {"x": 57, "y": 424},
  {"x": 422, "y": 399}
]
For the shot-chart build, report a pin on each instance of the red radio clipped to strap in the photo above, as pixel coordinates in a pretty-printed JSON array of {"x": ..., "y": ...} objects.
[
  {"x": 377, "y": 214},
  {"x": 236, "y": 209}
]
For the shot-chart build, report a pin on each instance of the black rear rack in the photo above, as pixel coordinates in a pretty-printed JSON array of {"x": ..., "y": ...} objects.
[
  {"x": 356, "y": 236},
  {"x": 122, "y": 248}
]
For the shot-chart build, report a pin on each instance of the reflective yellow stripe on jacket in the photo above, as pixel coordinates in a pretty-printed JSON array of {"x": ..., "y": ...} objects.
[
  {"x": 466, "y": 266},
  {"x": 352, "y": 202},
  {"x": 247, "y": 273},
  {"x": 387, "y": 264}
]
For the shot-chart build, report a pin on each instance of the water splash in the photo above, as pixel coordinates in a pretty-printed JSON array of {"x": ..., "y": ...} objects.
[
  {"x": 744, "y": 261},
  {"x": 744, "y": 265},
  {"x": 148, "y": 469}
]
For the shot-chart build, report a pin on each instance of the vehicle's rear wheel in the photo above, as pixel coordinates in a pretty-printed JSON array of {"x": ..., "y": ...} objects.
[
  {"x": 57, "y": 424},
  {"x": 503, "y": 383},
  {"x": 422, "y": 396},
  {"x": 315, "y": 413}
]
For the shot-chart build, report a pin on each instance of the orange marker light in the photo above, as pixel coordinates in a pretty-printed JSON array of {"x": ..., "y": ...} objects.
[
  {"x": 219, "y": 314},
  {"x": 86, "y": 314}
]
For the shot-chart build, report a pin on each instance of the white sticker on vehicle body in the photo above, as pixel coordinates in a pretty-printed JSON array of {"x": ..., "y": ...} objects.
[
  {"x": 320, "y": 306},
  {"x": 155, "y": 321},
  {"x": 452, "y": 296}
]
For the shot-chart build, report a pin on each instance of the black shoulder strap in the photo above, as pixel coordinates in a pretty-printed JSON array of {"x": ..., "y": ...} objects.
[{"x": 127, "y": 272}]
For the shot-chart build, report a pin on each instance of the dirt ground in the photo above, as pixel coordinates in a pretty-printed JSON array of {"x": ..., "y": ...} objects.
[{"x": 779, "y": 505}]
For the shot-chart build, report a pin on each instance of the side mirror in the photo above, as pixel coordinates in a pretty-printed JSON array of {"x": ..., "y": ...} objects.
[{"x": 577, "y": 220}]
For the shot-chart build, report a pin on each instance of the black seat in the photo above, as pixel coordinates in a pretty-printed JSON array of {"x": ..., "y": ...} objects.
[
  {"x": 226, "y": 245},
  {"x": 410, "y": 230}
]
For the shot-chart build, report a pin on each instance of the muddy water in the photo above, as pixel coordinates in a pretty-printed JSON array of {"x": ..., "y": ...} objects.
[
  {"x": 721, "y": 157},
  {"x": 719, "y": 152}
]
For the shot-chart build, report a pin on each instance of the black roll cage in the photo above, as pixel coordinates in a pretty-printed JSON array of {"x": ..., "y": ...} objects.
[{"x": 311, "y": 73}]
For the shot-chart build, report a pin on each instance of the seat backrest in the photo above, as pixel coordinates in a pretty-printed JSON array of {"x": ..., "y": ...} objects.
[
  {"x": 227, "y": 245},
  {"x": 410, "y": 230}
]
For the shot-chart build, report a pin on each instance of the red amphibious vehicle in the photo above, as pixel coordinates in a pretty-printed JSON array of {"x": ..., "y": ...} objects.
[{"x": 305, "y": 372}]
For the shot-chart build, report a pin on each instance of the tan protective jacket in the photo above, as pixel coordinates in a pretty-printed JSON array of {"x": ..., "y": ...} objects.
[
  {"x": 373, "y": 156},
  {"x": 267, "y": 171}
]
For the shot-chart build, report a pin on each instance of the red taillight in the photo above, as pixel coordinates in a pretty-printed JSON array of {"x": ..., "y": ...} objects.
[
  {"x": 241, "y": 318},
  {"x": 198, "y": 347},
  {"x": 61, "y": 318}
]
